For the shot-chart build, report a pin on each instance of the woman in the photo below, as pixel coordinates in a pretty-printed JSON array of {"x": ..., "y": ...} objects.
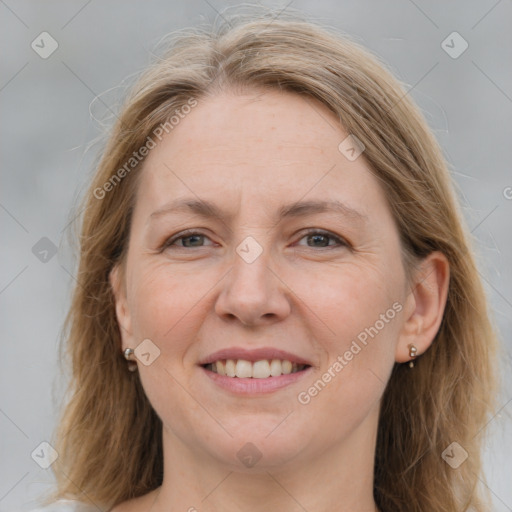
[{"x": 277, "y": 307}]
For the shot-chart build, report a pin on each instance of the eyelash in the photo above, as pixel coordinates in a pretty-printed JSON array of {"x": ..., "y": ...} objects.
[{"x": 188, "y": 233}]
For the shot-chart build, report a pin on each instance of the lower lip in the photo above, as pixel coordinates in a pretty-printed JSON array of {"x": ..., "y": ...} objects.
[{"x": 250, "y": 386}]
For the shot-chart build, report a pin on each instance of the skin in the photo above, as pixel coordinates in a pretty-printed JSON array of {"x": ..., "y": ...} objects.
[{"x": 250, "y": 154}]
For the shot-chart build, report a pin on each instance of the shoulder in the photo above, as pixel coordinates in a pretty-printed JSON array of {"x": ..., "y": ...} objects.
[
  {"x": 140, "y": 504},
  {"x": 66, "y": 506}
]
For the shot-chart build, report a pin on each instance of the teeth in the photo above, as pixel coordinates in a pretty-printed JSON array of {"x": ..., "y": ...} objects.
[
  {"x": 275, "y": 368},
  {"x": 262, "y": 369},
  {"x": 220, "y": 368},
  {"x": 230, "y": 368},
  {"x": 243, "y": 369},
  {"x": 286, "y": 367}
]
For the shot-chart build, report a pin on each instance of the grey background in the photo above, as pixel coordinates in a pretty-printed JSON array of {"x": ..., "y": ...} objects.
[{"x": 47, "y": 138}]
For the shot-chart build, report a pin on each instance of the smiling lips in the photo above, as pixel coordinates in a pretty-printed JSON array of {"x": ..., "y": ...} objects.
[
  {"x": 257, "y": 364},
  {"x": 261, "y": 369}
]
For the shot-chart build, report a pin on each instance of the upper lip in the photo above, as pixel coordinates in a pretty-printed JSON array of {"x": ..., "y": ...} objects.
[{"x": 253, "y": 355}]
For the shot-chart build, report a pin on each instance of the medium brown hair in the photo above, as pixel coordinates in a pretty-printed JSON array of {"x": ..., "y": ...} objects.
[{"x": 109, "y": 437}]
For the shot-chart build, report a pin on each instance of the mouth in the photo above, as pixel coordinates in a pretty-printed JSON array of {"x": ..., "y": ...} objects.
[
  {"x": 253, "y": 372},
  {"x": 260, "y": 369}
]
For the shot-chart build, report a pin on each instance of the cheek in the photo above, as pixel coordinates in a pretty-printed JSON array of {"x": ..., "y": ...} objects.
[
  {"x": 164, "y": 306},
  {"x": 342, "y": 300},
  {"x": 354, "y": 301},
  {"x": 360, "y": 305}
]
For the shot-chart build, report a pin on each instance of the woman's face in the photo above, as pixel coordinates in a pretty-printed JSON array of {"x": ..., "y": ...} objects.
[{"x": 261, "y": 279}]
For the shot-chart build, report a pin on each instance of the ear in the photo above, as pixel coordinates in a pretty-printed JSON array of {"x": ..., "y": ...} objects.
[
  {"x": 424, "y": 306},
  {"x": 122, "y": 311}
]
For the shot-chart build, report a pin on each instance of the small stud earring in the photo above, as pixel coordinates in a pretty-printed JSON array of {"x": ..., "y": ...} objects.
[
  {"x": 132, "y": 365},
  {"x": 412, "y": 353}
]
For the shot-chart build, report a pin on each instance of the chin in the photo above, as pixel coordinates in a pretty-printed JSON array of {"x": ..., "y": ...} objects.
[{"x": 256, "y": 445}]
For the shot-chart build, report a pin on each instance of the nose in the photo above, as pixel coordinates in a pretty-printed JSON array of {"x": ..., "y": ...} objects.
[{"x": 253, "y": 292}]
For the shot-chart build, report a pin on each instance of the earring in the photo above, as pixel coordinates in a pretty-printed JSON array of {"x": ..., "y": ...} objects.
[
  {"x": 132, "y": 365},
  {"x": 412, "y": 353}
]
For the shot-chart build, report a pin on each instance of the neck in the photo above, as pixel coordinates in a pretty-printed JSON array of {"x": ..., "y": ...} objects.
[{"x": 339, "y": 479}]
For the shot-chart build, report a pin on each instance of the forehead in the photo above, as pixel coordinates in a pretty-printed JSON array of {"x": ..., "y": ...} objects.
[{"x": 266, "y": 147}]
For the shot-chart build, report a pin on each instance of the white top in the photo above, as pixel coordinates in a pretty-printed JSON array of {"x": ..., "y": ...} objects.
[{"x": 68, "y": 506}]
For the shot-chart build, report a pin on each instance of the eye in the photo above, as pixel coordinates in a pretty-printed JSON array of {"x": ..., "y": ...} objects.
[
  {"x": 320, "y": 238},
  {"x": 189, "y": 239}
]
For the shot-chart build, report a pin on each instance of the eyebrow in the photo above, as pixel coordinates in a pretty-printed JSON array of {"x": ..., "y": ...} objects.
[{"x": 207, "y": 209}]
